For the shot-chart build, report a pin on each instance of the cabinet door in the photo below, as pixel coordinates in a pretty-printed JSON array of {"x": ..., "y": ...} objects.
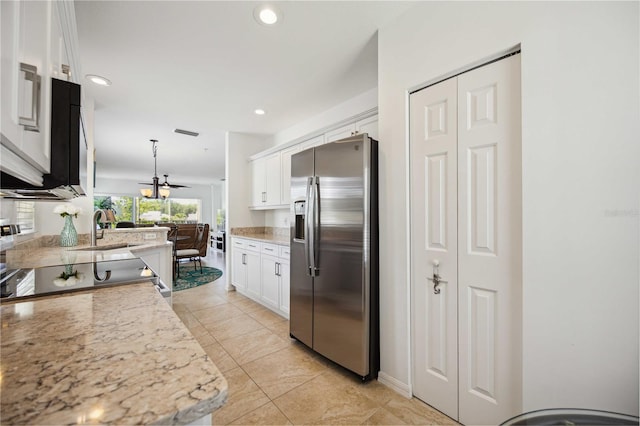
[
  {"x": 270, "y": 284},
  {"x": 310, "y": 143},
  {"x": 25, "y": 39},
  {"x": 285, "y": 173},
  {"x": 238, "y": 269},
  {"x": 258, "y": 191},
  {"x": 272, "y": 179},
  {"x": 254, "y": 273},
  {"x": 368, "y": 125},
  {"x": 340, "y": 133},
  {"x": 284, "y": 286}
]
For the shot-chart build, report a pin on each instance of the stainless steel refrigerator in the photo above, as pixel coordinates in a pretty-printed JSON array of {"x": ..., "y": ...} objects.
[{"x": 334, "y": 252}]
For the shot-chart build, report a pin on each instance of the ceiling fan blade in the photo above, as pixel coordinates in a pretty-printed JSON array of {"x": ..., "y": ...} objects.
[
  {"x": 145, "y": 183},
  {"x": 171, "y": 185}
]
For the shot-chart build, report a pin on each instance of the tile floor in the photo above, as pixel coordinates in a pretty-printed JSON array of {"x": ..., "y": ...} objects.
[{"x": 275, "y": 380}]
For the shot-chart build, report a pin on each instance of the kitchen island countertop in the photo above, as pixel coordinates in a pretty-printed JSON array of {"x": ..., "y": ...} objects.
[
  {"x": 113, "y": 356},
  {"x": 50, "y": 256}
]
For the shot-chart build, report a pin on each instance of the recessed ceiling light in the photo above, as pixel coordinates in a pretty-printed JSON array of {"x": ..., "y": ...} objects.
[
  {"x": 260, "y": 111},
  {"x": 267, "y": 14},
  {"x": 99, "y": 80}
]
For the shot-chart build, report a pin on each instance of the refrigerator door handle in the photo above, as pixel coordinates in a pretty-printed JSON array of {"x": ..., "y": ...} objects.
[
  {"x": 315, "y": 225},
  {"x": 307, "y": 223}
]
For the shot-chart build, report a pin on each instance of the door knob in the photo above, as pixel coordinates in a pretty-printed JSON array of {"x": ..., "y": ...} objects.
[{"x": 437, "y": 279}]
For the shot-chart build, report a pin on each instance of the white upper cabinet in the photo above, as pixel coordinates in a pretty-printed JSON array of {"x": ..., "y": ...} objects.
[
  {"x": 33, "y": 50},
  {"x": 266, "y": 187},
  {"x": 340, "y": 133},
  {"x": 309, "y": 143},
  {"x": 285, "y": 174},
  {"x": 368, "y": 125},
  {"x": 258, "y": 189},
  {"x": 271, "y": 174}
]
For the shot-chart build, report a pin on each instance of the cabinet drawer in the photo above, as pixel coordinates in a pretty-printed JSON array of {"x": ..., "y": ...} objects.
[
  {"x": 238, "y": 243},
  {"x": 285, "y": 252},
  {"x": 271, "y": 249},
  {"x": 252, "y": 245}
]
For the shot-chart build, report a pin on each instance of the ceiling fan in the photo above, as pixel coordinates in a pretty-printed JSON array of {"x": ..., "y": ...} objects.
[{"x": 158, "y": 190}]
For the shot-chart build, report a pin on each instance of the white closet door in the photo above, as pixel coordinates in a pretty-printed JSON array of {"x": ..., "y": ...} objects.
[
  {"x": 490, "y": 242},
  {"x": 466, "y": 212},
  {"x": 434, "y": 237}
]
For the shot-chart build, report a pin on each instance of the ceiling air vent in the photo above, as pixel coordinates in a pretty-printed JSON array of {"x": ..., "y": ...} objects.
[{"x": 186, "y": 132}]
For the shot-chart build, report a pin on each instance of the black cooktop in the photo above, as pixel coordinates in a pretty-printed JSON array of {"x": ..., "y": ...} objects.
[{"x": 24, "y": 283}]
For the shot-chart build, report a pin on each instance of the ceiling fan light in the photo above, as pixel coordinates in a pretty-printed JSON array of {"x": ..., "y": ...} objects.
[
  {"x": 164, "y": 192},
  {"x": 146, "y": 192}
]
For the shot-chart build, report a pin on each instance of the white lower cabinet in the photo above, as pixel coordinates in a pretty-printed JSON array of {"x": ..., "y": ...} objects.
[
  {"x": 260, "y": 271},
  {"x": 245, "y": 266},
  {"x": 270, "y": 281}
]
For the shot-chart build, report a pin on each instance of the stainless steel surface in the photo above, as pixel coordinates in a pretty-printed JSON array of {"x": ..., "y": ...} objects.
[
  {"x": 331, "y": 268},
  {"x": 339, "y": 326},
  {"x": 94, "y": 235},
  {"x": 301, "y": 284}
]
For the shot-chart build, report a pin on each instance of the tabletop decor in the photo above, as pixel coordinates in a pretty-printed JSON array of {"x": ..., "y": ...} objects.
[{"x": 69, "y": 235}]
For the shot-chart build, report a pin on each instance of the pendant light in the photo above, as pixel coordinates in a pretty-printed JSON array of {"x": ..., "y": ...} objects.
[{"x": 157, "y": 190}]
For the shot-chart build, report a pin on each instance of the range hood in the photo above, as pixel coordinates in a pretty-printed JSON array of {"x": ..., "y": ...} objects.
[{"x": 68, "y": 152}]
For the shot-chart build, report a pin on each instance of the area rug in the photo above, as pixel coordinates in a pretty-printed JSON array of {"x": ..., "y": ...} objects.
[{"x": 190, "y": 278}]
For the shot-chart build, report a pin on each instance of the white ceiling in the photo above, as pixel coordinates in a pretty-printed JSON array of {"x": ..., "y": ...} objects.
[{"x": 206, "y": 65}]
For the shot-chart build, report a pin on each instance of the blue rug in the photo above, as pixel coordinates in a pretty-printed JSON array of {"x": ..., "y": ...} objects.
[{"x": 190, "y": 278}]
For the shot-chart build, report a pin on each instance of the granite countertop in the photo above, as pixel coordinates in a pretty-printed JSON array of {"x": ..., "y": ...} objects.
[
  {"x": 265, "y": 238},
  {"x": 113, "y": 356},
  {"x": 50, "y": 256}
]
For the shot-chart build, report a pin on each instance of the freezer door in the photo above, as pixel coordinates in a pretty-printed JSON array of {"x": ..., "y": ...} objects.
[
  {"x": 341, "y": 298},
  {"x": 301, "y": 284}
]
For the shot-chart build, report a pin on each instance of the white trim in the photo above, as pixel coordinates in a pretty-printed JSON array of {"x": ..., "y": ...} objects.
[
  {"x": 468, "y": 67},
  {"x": 407, "y": 168},
  {"x": 394, "y": 384}
]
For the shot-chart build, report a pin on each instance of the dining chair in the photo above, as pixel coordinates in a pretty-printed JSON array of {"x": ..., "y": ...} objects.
[
  {"x": 172, "y": 235},
  {"x": 193, "y": 253}
]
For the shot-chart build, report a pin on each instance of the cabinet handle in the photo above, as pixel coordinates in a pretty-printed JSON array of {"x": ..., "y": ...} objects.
[
  {"x": 268, "y": 249},
  {"x": 244, "y": 262},
  {"x": 264, "y": 197},
  {"x": 275, "y": 269}
]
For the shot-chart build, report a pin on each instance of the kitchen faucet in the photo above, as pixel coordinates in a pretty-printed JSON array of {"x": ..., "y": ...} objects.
[{"x": 94, "y": 237}]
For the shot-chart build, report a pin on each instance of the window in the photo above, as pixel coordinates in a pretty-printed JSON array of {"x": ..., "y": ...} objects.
[
  {"x": 179, "y": 210},
  {"x": 25, "y": 215},
  {"x": 122, "y": 206},
  {"x": 148, "y": 211}
]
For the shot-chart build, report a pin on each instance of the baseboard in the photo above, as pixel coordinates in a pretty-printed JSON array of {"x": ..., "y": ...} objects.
[{"x": 395, "y": 384}]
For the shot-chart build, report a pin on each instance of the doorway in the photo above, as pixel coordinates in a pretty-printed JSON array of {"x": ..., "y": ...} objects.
[{"x": 466, "y": 243}]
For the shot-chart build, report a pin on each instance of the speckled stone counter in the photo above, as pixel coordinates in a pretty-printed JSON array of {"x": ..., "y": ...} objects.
[
  {"x": 37, "y": 257},
  {"x": 263, "y": 234},
  {"x": 114, "y": 356}
]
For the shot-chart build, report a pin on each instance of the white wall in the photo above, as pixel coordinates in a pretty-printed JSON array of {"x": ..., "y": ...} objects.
[
  {"x": 238, "y": 148},
  {"x": 580, "y": 132}
]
